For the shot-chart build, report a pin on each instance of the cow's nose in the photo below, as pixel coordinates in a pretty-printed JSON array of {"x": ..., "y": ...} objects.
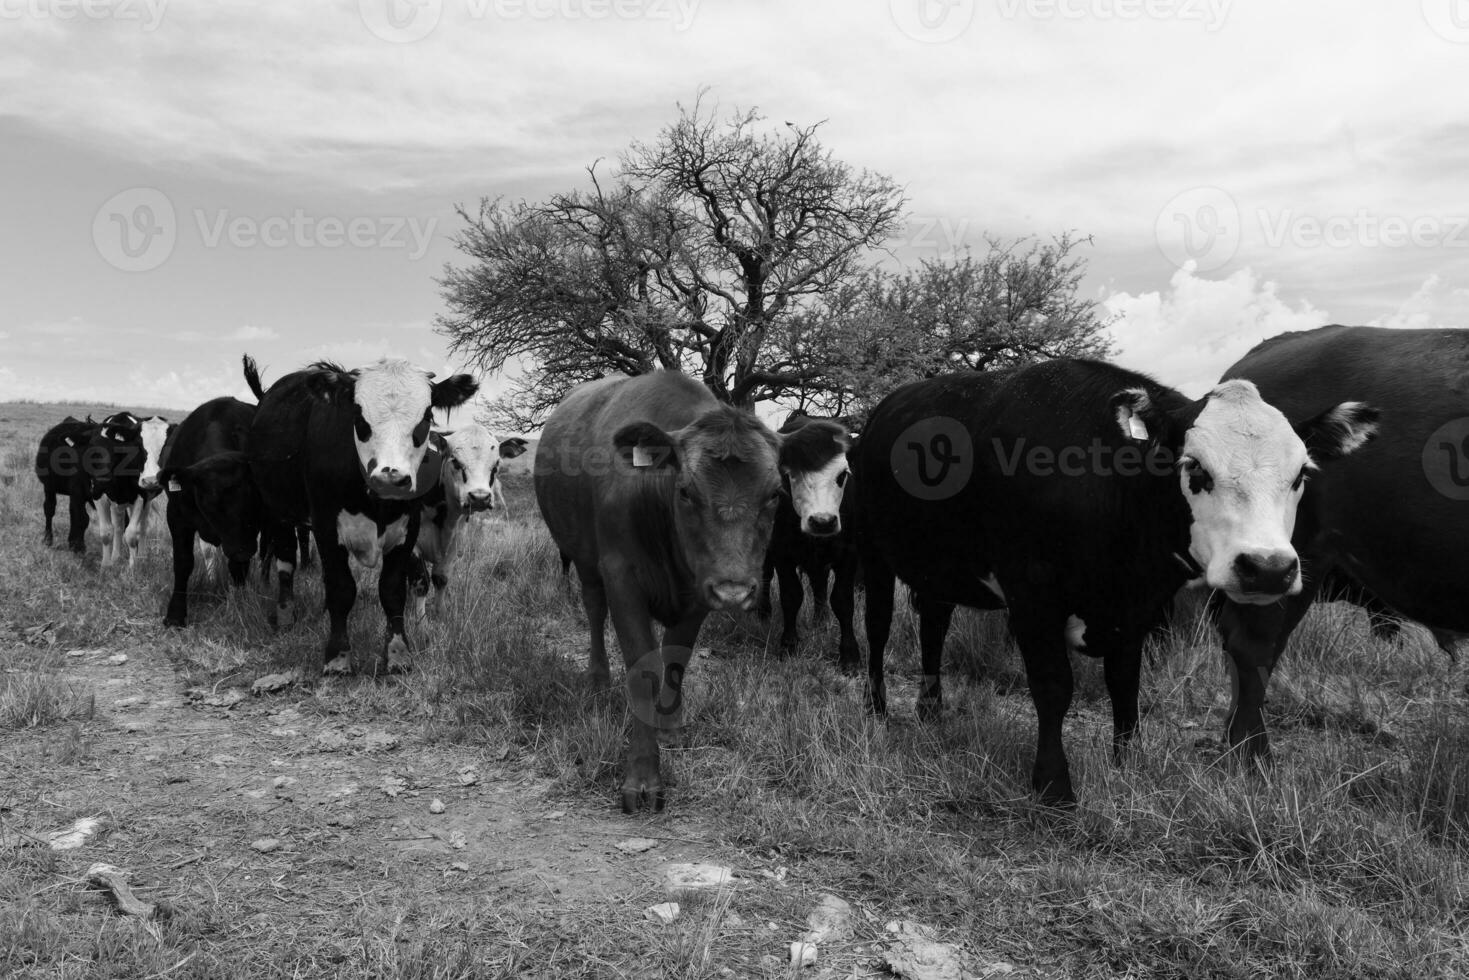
[
  {"x": 733, "y": 594},
  {"x": 148, "y": 482},
  {"x": 1264, "y": 572},
  {"x": 822, "y": 525},
  {"x": 392, "y": 479},
  {"x": 481, "y": 500}
]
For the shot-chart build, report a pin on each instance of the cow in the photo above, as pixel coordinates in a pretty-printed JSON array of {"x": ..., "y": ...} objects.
[
  {"x": 664, "y": 499},
  {"x": 61, "y": 466},
  {"x": 126, "y": 450},
  {"x": 468, "y": 481},
  {"x": 349, "y": 453},
  {"x": 821, "y": 544},
  {"x": 1389, "y": 520},
  {"x": 211, "y": 494},
  {"x": 1081, "y": 496}
]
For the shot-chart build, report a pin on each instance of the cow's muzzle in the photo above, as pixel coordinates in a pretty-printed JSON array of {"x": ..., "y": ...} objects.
[
  {"x": 479, "y": 501},
  {"x": 731, "y": 594},
  {"x": 391, "y": 483},
  {"x": 1263, "y": 577},
  {"x": 822, "y": 525}
]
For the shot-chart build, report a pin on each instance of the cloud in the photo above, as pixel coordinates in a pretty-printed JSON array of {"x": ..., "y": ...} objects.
[
  {"x": 1188, "y": 334},
  {"x": 1431, "y": 305},
  {"x": 247, "y": 333}
]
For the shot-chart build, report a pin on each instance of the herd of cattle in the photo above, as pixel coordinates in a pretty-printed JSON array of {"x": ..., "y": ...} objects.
[{"x": 1077, "y": 495}]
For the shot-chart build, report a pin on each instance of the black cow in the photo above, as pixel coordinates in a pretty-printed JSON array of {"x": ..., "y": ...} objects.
[
  {"x": 211, "y": 493},
  {"x": 62, "y": 468},
  {"x": 821, "y": 544},
  {"x": 348, "y": 452},
  {"x": 126, "y": 450},
  {"x": 1082, "y": 496},
  {"x": 1390, "y": 520}
]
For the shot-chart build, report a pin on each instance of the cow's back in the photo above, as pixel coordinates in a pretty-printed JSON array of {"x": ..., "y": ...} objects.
[
  {"x": 575, "y": 467},
  {"x": 278, "y": 446},
  {"x": 220, "y": 425},
  {"x": 59, "y": 467},
  {"x": 1392, "y": 513}
]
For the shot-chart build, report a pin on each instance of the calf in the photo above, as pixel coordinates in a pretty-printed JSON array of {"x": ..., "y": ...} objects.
[
  {"x": 127, "y": 450},
  {"x": 467, "y": 485},
  {"x": 349, "y": 453},
  {"x": 210, "y": 494},
  {"x": 62, "y": 467},
  {"x": 664, "y": 500},
  {"x": 1081, "y": 496},
  {"x": 820, "y": 544}
]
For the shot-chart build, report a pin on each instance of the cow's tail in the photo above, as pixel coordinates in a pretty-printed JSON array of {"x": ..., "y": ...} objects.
[{"x": 252, "y": 377}]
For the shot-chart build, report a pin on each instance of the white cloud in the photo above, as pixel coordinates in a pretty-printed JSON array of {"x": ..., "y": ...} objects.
[
  {"x": 1187, "y": 335},
  {"x": 247, "y": 333},
  {"x": 1432, "y": 305}
]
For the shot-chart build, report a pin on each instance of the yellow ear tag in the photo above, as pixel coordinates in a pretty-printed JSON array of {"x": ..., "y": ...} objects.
[
  {"x": 175, "y": 487},
  {"x": 642, "y": 456},
  {"x": 1136, "y": 428}
]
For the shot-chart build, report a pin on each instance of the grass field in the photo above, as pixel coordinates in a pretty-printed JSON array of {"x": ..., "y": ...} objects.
[{"x": 1346, "y": 859}]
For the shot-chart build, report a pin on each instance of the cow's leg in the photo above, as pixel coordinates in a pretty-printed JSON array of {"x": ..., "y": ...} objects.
[
  {"x": 137, "y": 527},
  {"x": 767, "y": 575},
  {"x": 392, "y": 592},
  {"x": 76, "y": 535},
  {"x": 418, "y": 584},
  {"x": 1254, "y": 637},
  {"x": 105, "y": 518},
  {"x": 792, "y": 594},
  {"x": 1041, "y": 636},
  {"x": 933, "y": 628},
  {"x": 1123, "y": 669},
  {"x": 820, "y": 578},
  {"x": 341, "y": 593},
  {"x": 283, "y": 547},
  {"x": 879, "y": 622},
  {"x": 844, "y": 604},
  {"x": 449, "y": 540},
  {"x": 48, "y": 509},
  {"x": 303, "y": 546},
  {"x": 181, "y": 533},
  {"x": 594, "y": 601}
]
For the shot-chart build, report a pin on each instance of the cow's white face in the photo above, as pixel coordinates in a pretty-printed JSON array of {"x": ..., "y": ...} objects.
[
  {"x": 1242, "y": 468},
  {"x": 472, "y": 467},
  {"x": 817, "y": 496},
  {"x": 393, "y": 405},
  {"x": 154, "y": 434}
]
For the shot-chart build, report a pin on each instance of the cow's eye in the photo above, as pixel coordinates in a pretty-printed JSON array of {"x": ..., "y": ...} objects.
[
  {"x": 420, "y": 431},
  {"x": 842, "y": 478},
  {"x": 774, "y": 498},
  {"x": 1301, "y": 478},
  {"x": 1199, "y": 480},
  {"x": 685, "y": 496},
  {"x": 360, "y": 426}
]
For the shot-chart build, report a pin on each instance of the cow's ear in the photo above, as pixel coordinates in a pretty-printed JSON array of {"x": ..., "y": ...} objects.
[
  {"x": 180, "y": 476},
  {"x": 646, "y": 448},
  {"x": 453, "y": 392},
  {"x": 1138, "y": 417},
  {"x": 1339, "y": 431},
  {"x": 331, "y": 386},
  {"x": 511, "y": 448},
  {"x": 812, "y": 446}
]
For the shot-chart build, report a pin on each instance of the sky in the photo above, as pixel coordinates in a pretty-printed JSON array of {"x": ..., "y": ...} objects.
[{"x": 184, "y": 182}]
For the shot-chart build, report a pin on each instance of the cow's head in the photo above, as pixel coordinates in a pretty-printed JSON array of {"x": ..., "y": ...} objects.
[
  {"x": 225, "y": 495},
  {"x": 725, "y": 486},
  {"x": 153, "y": 432},
  {"x": 391, "y": 405},
  {"x": 813, "y": 462},
  {"x": 472, "y": 465},
  {"x": 1242, "y": 468}
]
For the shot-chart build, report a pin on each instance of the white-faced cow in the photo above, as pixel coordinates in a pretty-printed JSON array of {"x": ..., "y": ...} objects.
[
  {"x": 211, "y": 494},
  {"x": 1387, "y": 526},
  {"x": 126, "y": 450},
  {"x": 61, "y": 466},
  {"x": 348, "y": 452},
  {"x": 664, "y": 500},
  {"x": 1081, "y": 496},
  {"x": 820, "y": 543},
  {"x": 469, "y": 479}
]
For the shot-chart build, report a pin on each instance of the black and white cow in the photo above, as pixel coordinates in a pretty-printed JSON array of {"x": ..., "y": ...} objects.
[
  {"x": 820, "y": 543},
  {"x": 1386, "y": 527},
  {"x": 211, "y": 494},
  {"x": 1081, "y": 496},
  {"x": 126, "y": 449},
  {"x": 62, "y": 467},
  {"x": 349, "y": 453},
  {"x": 468, "y": 482}
]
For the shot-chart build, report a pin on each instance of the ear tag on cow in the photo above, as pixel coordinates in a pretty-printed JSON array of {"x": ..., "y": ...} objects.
[
  {"x": 643, "y": 456},
  {"x": 1136, "y": 429},
  {"x": 175, "y": 487}
]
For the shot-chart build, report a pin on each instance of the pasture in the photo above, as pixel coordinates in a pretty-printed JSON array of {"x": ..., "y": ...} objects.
[{"x": 295, "y": 833}]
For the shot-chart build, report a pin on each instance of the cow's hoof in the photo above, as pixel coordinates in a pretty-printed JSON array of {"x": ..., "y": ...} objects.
[
  {"x": 599, "y": 680},
  {"x": 283, "y": 617},
  {"x": 338, "y": 666},
  {"x": 173, "y": 622},
  {"x": 877, "y": 702},
  {"x": 633, "y": 799},
  {"x": 395, "y": 658},
  {"x": 848, "y": 662},
  {"x": 788, "y": 644}
]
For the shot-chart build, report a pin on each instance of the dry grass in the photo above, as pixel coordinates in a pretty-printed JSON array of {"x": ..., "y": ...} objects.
[{"x": 1345, "y": 859}]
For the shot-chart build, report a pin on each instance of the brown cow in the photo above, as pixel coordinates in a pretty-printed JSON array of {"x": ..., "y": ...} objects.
[{"x": 664, "y": 500}]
